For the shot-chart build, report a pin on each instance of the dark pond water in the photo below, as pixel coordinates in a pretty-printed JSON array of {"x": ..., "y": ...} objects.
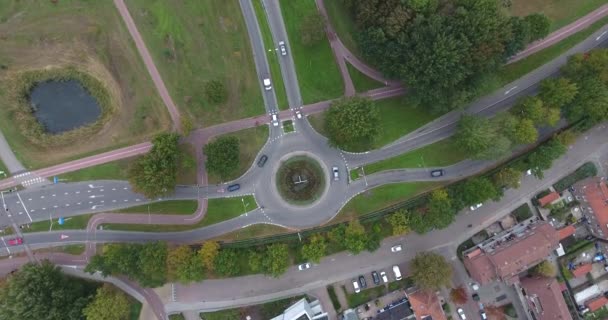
[{"x": 63, "y": 105}]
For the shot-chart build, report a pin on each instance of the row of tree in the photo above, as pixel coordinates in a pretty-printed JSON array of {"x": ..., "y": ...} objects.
[
  {"x": 42, "y": 291},
  {"x": 442, "y": 49}
]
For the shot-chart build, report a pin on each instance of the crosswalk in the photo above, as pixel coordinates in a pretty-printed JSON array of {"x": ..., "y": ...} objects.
[{"x": 27, "y": 179}]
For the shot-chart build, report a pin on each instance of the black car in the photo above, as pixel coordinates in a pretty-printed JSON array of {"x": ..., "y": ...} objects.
[
  {"x": 475, "y": 297},
  {"x": 376, "y": 277},
  {"x": 262, "y": 160},
  {"x": 234, "y": 187},
  {"x": 437, "y": 173},
  {"x": 362, "y": 282}
]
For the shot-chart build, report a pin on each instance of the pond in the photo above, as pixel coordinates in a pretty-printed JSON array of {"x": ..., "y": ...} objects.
[{"x": 61, "y": 106}]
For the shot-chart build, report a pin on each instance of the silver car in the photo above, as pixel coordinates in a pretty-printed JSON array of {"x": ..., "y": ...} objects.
[
  {"x": 282, "y": 48},
  {"x": 335, "y": 173}
]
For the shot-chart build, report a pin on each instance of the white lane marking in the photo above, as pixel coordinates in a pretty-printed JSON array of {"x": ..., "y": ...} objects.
[
  {"x": 24, "y": 208},
  {"x": 113, "y": 200},
  {"x": 137, "y": 200},
  {"x": 600, "y": 36},
  {"x": 41, "y": 197},
  {"x": 125, "y": 188},
  {"x": 65, "y": 193},
  {"x": 101, "y": 201},
  {"x": 509, "y": 91},
  {"x": 96, "y": 196},
  {"x": 95, "y": 206},
  {"x": 67, "y": 204},
  {"x": 7, "y": 249},
  {"x": 101, "y": 190},
  {"x": 55, "y": 206},
  {"x": 54, "y": 195},
  {"x": 77, "y": 192},
  {"x": 43, "y": 208},
  {"x": 79, "y": 203},
  {"x": 30, "y": 199},
  {"x": 113, "y": 189}
]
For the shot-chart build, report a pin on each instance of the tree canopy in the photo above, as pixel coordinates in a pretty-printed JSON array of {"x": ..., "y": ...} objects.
[
  {"x": 315, "y": 248},
  {"x": 430, "y": 271},
  {"x": 355, "y": 238},
  {"x": 108, "y": 304},
  {"x": 155, "y": 173},
  {"x": 352, "y": 123},
  {"x": 222, "y": 156},
  {"x": 276, "y": 260}
]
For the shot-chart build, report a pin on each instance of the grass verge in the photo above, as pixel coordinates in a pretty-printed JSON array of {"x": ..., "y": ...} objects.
[
  {"x": 70, "y": 223},
  {"x": 115, "y": 170},
  {"x": 254, "y": 231},
  {"x": 318, "y": 74},
  {"x": 186, "y": 168},
  {"x": 341, "y": 20},
  {"x": 193, "y": 42},
  {"x": 362, "y": 82},
  {"x": 439, "y": 154},
  {"x": 218, "y": 210},
  {"x": 272, "y": 56},
  {"x": 288, "y": 126},
  {"x": 250, "y": 142},
  {"x": 170, "y": 207},
  {"x": 3, "y": 170},
  {"x": 560, "y": 12},
  {"x": 364, "y": 296},
  {"x": 134, "y": 309}
]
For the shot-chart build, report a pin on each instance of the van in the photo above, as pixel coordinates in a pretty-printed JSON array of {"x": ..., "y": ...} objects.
[{"x": 397, "y": 273}]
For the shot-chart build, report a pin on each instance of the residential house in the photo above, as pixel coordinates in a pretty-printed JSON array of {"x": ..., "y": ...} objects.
[
  {"x": 544, "y": 299},
  {"x": 551, "y": 198},
  {"x": 303, "y": 310},
  {"x": 426, "y": 305},
  {"x": 592, "y": 193}
]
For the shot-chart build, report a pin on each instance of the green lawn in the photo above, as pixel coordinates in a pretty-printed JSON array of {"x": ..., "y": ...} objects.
[
  {"x": 70, "y": 223},
  {"x": 170, "y": 207},
  {"x": 193, "y": 42},
  {"x": 398, "y": 116},
  {"x": 288, "y": 126},
  {"x": 364, "y": 296},
  {"x": 345, "y": 27},
  {"x": 250, "y": 142},
  {"x": 134, "y": 309},
  {"x": 115, "y": 170},
  {"x": 4, "y": 170},
  {"x": 254, "y": 231},
  {"x": 383, "y": 196},
  {"x": 271, "y": 55},
  {"x": 561, "y": 12},
  {"x": 362, "y": 82},
  {"x": 186, "y": 169},
  {"x": 318, "y": 73},
  {"x": 218, "y": 210},
  {"x": 439, "y": 154},
  {"x": 75, "y": 249}
]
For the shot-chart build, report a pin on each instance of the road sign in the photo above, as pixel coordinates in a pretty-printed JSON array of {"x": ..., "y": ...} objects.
[
  {"x": 55, "y": 180},
  {"x": 61, "y": 221},
  {"x": 64, "y": 236}
]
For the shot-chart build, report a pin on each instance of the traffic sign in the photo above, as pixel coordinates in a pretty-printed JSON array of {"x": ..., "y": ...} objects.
[
  {"x": 61, "y": 221},
  {"x": 55, "y": 180}
]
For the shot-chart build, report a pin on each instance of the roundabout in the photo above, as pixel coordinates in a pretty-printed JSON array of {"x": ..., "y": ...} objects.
[{"x": 300, "y": 180}]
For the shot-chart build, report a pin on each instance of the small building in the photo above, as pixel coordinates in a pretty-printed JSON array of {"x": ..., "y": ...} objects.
[
  {"x": 548, "y": 199},
  {"x": 426, "y": 305},
  {"x": 544, "y": 299},
  {"x": 582, "y": 270},
  {"x": 350, "y": 314},
  {"x": 303, "y": 310},
  {"x": 509, "y": 253},
  {"x": 592, "y": 193},
  {"x": 596, "y": 303},
  {"x": 565, "y": 232}
]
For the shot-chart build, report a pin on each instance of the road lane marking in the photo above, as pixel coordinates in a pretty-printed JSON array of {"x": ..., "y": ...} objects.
[
  {"x": 600, "y": 36},
  {"x": 7, "y": 249},
  {"x": 509, "y": 91},
  {"x": 24, "y": 208}
]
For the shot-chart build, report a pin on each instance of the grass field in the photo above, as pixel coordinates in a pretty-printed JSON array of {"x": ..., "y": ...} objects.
[
  {"x": 70, "y": 223},
  {"x": 3, "y": 169},
  {"x": 318, "y": 73},
  {"x": 218, "y": 210},
  {"x": 186, "y": 169},
  {"x": 288, "y": 126},
  {"x": 90, "y": 36},
  {"x": 272, "y": 57},
  {"x": 398, "y": 117},
  {"x": 193, "y": 42},
  {"x": 340, "y": 19},
  {"x": 115, "y": 170},
  {"x": 254, "y": 231},
  {"x": 250, "y": 142},
  {"x": 439, "y": 154},
  {"x": 362, "y": 82},
  {"x": 381, "y": 197},
  {"x": 170, "y": 207},
  {"x": 561, "y": 12}
]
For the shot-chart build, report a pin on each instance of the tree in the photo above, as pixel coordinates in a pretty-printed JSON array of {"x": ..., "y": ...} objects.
[
  {"x": 315, "y": 249},
  {"x": 186, "y": 121},
  {"x": 42, "y": 291},
  {"x": 208, "y": 253},
  {"x": 255, "y": 260},
  {"x": 337, "y": 235},
  {"x": 155, "y": 174},
  {"x": 459, "y": 295},
  {"x": 355, "y": 238},
  {"x": 557, "y": 92},
  {"x": 399, "y": 222},
  {"x": 222, "y": 156},
  {"x": 312, "y": 29},
  {"x": 108, "y": 304},
  {"x": 183, "y": 265},
  {"x": 544, "y": 269},
  {"x": 352, "y": 123},
  {"x": 430, "y": 271},
  {"x": 531, "y": 108},
  {"x": 152, "y": 264},
  {"x": 440, "y": 212},
  {"x": 519, "y": 36},
  {"x": 276, "y": 259},
  {"x": 542, "y": 158},
  {"x": 525, "y": 132},
  {"x": 507, "y": 177},
  {"x": 227, "y": 263},
  {"x": 374, "y": 237},
  {"x": 566, "y": 137},
  {"x": 216, "y": 92},
  {"x": 475, "y": 135},
  {"x": 476, "y": 190},
  {"x": 539, "y": 25}
]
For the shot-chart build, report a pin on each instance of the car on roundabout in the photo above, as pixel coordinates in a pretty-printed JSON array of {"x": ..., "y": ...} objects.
[
  {"x": 396, "y": 248},
  {"x": 262, "y": 160},
  {"x": 234, "y": 187},
  {"x": 304, "y": 266},
  {"x": 335, "y": 173}
]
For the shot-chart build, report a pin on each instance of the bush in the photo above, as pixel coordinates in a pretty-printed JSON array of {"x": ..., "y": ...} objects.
[
  {"x": 510, "y": 310},
  {"x": 522, "y": 212},
  {"x": 586, "y": 170},
  {"x": 334, "y": 298},
  {"x": 216, "y": 92}
]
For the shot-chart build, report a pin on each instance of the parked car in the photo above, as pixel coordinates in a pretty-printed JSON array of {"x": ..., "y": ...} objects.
[
  {"x": 335, "y": 173},
  {"x": 396, "y": 248},
  {"x": 262, "y": 160},
  {"x": 375, "y": 277},
  {"x": 476, "y": 206},
  {"x": 304, "y": 266},
  {"x": 461, "y": 314},
  {"x": 275, "y": 120},
  {"x": 234, "y": 187},
  {"x": 384, "y": 277},
  {"x": 397, "y": 273},
  {"x": 475, "y": 297},
  {"x": 483, "y": 315},
  {"x": 267, "y": 84},
  {"x": 282, "y": 48},
  {"x": 362, "y": 282},
  {"x": 356, "y": 286},
  {"x": 437, "y": 173},
  {"x": 15, "y": 241}
]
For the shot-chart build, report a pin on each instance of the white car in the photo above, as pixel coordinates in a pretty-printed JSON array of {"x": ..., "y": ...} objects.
[
  {"x": 475, "y": 207},
  {"x": 396, "y": 248},
  {"x": 267, "y": 84},
  {"x": 282, "y": 48},
  {"x": 461, "y": 314},
  {"x": 356, "y": 286},
  {"x": 275, "y": 120},
  {"x": 384, "y": 277},
  {"x": 335, "y": 173},
  {"x": 304, "y": 266},
  {"x": 298, "y": 114}
]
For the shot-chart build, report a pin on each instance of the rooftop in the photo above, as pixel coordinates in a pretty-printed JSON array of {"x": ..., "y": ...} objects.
[
  {"x": 565, "y": 232},
  {"x": 545, "y": 299},
  {"x": 594, "y": 194},
  {"x": 596, "y": 303},
  {"x": 548, "y": 199},
  {"x": 426, "y": 305},
  {"x": 582, "y": 270}
]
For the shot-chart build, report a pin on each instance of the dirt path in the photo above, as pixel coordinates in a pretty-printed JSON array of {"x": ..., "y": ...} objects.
[{"x": 149, "y": 63}]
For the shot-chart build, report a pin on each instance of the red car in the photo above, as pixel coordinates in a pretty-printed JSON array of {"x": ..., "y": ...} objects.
[{"x": 15, "y": 242}]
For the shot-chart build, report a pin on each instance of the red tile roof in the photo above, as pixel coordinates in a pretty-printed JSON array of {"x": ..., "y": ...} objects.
[
  {"x": 510, "y": 258},
  {"x": 426, "y": 304},
  {"x": 548, "y": 198},
  {"x": 596, "y": 303},
  {"x": 582, "y": 270},
  {"x": 545, "y": 298},
  {"x": 566, "y": 232},
  {"x": 596, "y": 192}
]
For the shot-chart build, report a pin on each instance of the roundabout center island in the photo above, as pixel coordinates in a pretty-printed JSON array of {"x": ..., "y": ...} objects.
[{"x": 300, "y": 180}]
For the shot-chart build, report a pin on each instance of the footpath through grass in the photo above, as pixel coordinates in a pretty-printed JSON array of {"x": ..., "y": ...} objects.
[
  {"x": 318, "y": 74},
  {"x": 439, "y": 154},
  {"x": 362, "y": 82},
  {"x": 218, "y": 210},
  {"x": 170, "y": 207},
  {"x": 193, "y": 42},
  {"x": 272, "y": 56},
  {"x": 250, "y": 142},
  {"x": 560, "y": 12}
]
